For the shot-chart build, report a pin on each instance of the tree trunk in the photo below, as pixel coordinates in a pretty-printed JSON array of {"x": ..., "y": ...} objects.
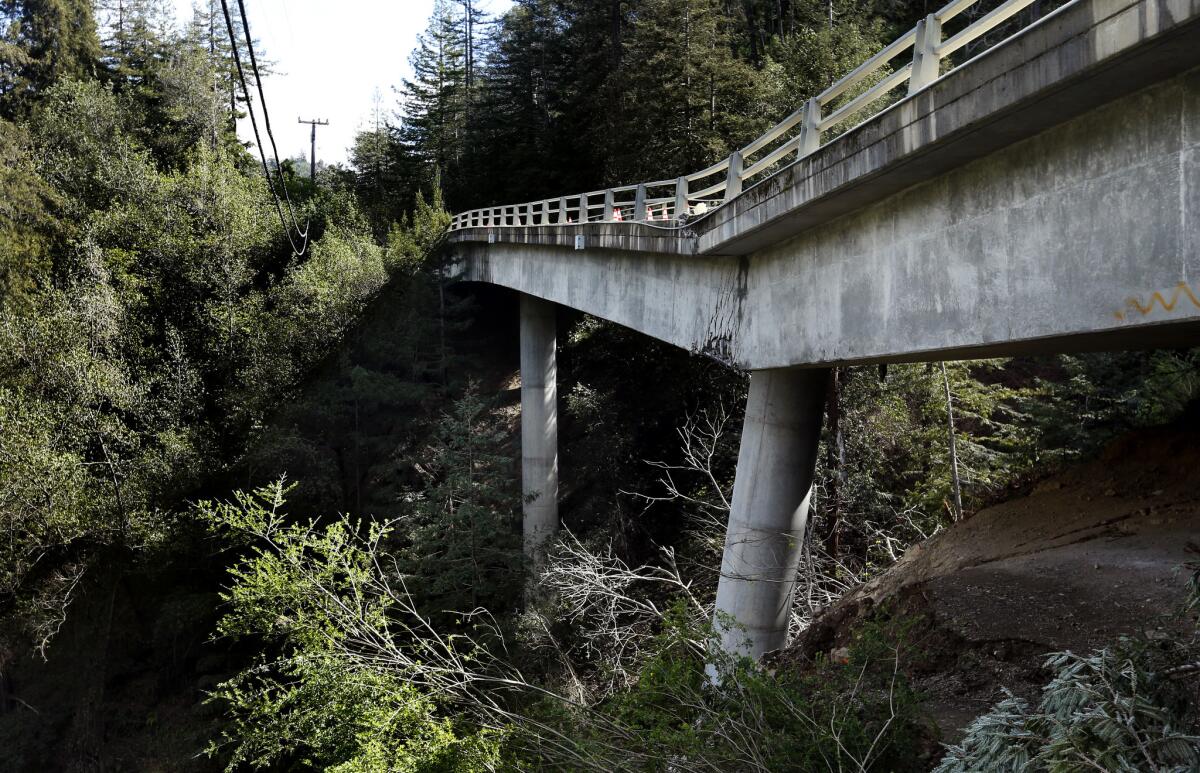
[
  {"x": 835, "y": 461},
  {"x": 954, "y": 481}
]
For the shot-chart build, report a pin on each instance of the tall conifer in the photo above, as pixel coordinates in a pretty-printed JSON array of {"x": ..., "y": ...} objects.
[
  {"x": 433, "y": 102},
  {"x": 42, "y": 41}
]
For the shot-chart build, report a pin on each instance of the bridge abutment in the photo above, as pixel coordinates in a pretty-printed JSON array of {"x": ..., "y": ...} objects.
[
  {"x": 775, "y": 468},
  {"x": 539, "y": 425}
]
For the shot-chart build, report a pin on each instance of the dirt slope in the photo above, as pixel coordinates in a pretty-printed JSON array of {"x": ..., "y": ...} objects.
[{"x": 1088, "y": 555}]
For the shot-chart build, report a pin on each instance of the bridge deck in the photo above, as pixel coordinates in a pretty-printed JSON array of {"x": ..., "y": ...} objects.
[{"x": 1036, "y": 198}]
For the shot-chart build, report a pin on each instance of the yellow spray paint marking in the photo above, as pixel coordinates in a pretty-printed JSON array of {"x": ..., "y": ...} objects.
[{"x": 1134, "y": 303}]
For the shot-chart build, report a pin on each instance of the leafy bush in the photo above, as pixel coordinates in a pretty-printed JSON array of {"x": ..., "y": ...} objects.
[
  {"x": 694, "y": 708},
  {"x": 351, "y": 678}
]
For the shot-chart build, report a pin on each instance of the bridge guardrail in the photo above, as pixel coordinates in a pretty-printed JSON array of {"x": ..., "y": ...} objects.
[{"x": 660, "y": 203}]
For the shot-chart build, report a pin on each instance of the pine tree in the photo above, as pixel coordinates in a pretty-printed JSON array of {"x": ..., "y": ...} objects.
[
  {"x": 473, "y": 19},
  {"x": 514, "y": 148},
  {"x": 589, "y": 101},
  {"x": 209, "y": 29},
  {"x": 465, "y": 538},
  {"x": 433, "y": 109},
  {"x": 136, "y": 36},
  {"x": 382, "y": 166},
  {"x": 686, "y": 98},
  {"x": 41, "y": 42}
]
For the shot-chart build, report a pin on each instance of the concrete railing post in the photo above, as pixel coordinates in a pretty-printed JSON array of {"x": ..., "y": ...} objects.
[
  {"x": 926, "y": 63},
  {"x": 810, "y": 129},
  {"x": 765, "y": 534},
  {"x": 639, "y": 203},
  {"x": 733, "y": 182},
  {"x": 681, "y": 197},
  {"x": 539, "y": 426},
  {"x": 608, "y": 205}
]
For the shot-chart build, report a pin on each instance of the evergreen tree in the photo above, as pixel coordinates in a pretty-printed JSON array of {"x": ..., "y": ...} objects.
[
  {"x": 686, "y": 99},
  {"x": 434, "y": 102},
  {"x": 42, "y": 41},
  {"x": 465, "y": 547},
  {"x": 472, "y": 20},
  {"x": 27, "y": 223},
  {"x": 381, "y": 168},
  {"x": 136, "y": 36},
  {"x": 515, "y": 146},
  {"x": 207, "y": 30},
  {"x": 588, "y": 101},
  {"x": 803, "y": 64}
]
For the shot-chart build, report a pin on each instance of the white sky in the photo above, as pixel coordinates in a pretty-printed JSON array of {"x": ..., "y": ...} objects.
[{"x": 331, "y": 57}]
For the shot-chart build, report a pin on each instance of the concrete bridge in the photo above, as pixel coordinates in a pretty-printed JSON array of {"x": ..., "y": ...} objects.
[{"x": 1041, "y": 196}]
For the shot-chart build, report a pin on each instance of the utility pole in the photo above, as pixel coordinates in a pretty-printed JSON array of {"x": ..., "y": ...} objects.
[{"x": 312, "y": 162}]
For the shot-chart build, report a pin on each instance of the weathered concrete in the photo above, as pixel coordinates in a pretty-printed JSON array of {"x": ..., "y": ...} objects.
[
  {"x": 1085, "y": 56},
  {"x": 1059, "y": 242},
  {"x": 539, "y": 425},
  {"x": 775, "y": 468},
  {"x": 1082, "y": 56},
  {"x": 1041, "y": 198}
]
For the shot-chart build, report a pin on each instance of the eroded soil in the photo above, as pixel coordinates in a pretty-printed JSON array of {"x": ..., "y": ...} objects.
[{"x": 1089, "y": 555}]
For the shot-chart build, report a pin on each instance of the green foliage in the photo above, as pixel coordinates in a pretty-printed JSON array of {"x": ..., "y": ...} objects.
[
  {"x": 84, "y": 149},
  {"x": 1014, "y": 420},
  {"x": 1128, "y": 707},
  {"x": 415, "y": 241},
  {"x": 717, "y": 712},
  {"x": 28, "y": 228},
  {"x": 149, "y": 313},
  {"x": 464, "y": 539},
  {"x": 1115, "y": 709},
  {"x": 685, "y": 99},
  {"x": 380, "y": 166},
  {"x": 42, "y": 42},
  {"x": 436, "y": 98},
  {"x": 299, "y": 590},
  {"x": 302, "y": 317},
  {"x": 569, "y": 95},
  {"x": 356, "y": 433}
]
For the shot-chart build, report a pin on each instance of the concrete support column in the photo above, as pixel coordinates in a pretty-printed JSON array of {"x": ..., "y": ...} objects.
[
  {"x": 539, "y": 425},
  {"x": 775, "y": 469}
]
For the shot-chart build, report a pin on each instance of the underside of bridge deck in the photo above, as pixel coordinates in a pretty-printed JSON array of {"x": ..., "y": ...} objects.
[{"x": 969, "y": 220}]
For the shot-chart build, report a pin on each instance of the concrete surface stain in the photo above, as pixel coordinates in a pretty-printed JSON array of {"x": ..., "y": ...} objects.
[{"x": 727, "y": 317}]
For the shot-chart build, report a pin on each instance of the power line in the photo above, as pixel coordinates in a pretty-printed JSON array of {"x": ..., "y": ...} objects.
[
  {"x": 237, "y": 60},
  {"x": 262, "y": 99}
]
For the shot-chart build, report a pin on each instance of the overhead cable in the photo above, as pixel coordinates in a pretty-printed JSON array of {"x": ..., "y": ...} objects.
[
  {"x": 237, "y": 60},
  {"x": 262, "y": 99}
]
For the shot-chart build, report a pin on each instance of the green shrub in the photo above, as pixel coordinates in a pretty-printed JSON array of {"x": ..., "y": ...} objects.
[{"x": 695, "y": 709}]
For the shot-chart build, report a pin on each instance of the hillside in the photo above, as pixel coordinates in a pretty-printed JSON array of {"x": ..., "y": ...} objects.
[{"x": 1087, "y": 556}]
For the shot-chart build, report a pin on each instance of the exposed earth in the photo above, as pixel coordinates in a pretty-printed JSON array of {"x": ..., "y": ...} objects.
[{"x": 1087, "y": 556}]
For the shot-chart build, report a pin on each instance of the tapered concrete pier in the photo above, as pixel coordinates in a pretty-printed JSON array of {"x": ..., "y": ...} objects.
[
  {"x": 771, "y": 494},
  {"x": 539, "y": 425}
]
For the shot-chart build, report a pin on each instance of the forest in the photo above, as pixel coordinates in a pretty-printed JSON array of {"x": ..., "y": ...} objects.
[{"x": 260, "y": 498}]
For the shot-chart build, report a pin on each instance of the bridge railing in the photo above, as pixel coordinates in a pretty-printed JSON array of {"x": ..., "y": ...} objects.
[{"x": 913, "y": 60}]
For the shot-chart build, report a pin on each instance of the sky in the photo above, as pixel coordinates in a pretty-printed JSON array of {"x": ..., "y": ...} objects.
[{"x": 332, "y": 58}]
